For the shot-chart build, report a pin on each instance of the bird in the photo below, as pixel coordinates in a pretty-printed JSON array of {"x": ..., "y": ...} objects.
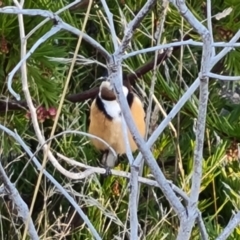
[{"x": 106, "y": 122}]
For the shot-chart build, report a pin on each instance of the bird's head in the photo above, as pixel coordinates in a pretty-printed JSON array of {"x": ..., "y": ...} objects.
[{"x": 107, "y": 93}]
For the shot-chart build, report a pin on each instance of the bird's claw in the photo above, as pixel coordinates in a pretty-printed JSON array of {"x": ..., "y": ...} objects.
[{"x": 108, "y": 171}]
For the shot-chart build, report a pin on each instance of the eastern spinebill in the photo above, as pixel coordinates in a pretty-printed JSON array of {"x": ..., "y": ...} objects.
[{"x": 106, "y": 121}]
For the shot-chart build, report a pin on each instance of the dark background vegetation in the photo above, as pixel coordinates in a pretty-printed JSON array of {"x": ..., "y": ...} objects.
[{"x": 106, "y": 201}]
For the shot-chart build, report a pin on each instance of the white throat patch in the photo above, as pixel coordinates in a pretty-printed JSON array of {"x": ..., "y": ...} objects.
[{"x": 112, "y": 107}]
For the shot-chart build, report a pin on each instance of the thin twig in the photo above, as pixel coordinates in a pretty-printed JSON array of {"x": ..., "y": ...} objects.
[
  {"x": 186, "y": 96},
  {"x": 226, "y": 49},
  {"x": 209, "y": 24},
  {"x": 202, "y": 227},
  {"x": 178, "y": 157},
  {"x": 124, "y": 174},
  {"x": 180, "y": 43},
  {"x": 224, "y": 78},
  {"x": 112, "y": 28},
  {"x": 79, "y": 133}
]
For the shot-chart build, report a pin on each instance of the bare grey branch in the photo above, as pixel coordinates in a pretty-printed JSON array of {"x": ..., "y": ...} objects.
[
  {"x": 156, "y": 171},
  {"x": 133, "y": 207},
  {"x": 233, "y": 223},
  {"x": 21, "y": 206},
  {"x": 187, "y": 224}
]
